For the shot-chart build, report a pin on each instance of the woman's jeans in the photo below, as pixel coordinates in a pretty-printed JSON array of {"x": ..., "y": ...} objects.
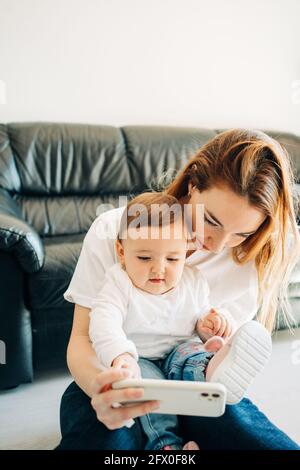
[
  {"x": 241, "y": 427},
  {"x": 187, "y": 361}
]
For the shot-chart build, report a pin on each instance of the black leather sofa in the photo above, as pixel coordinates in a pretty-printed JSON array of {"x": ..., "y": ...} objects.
[{"x": 53, "y": 177}]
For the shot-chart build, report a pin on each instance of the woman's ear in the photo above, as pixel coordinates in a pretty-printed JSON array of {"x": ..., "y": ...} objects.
[{"x": 190, "y": 188}]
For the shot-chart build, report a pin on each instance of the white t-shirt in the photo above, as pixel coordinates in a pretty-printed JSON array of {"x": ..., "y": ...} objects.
[
  {"x": 233, "y": 287},
  {"x": 127, "y": 319}
]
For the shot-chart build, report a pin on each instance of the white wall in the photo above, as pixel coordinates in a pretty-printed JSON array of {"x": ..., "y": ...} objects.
[{"x": 172, "y": 62}]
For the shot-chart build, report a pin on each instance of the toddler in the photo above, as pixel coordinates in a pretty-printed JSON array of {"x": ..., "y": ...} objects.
[{"x": 153, "y": 315}]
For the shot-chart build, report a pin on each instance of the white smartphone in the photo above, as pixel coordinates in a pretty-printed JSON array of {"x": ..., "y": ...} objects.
[{"x": 178, "y": 397}]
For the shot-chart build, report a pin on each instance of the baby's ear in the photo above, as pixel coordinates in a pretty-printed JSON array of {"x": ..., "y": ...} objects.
[{"x": 120, "y": 250}]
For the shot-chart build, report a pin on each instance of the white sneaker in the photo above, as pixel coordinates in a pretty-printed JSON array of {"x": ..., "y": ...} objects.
[{"x": 238, "y": 362}]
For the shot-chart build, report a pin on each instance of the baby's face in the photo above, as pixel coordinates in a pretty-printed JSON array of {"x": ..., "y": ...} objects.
[{"x": 154, "y": 264}]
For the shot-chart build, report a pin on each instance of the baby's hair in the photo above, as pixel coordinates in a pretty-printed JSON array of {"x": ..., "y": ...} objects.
[{"x": 152, "y": 209}]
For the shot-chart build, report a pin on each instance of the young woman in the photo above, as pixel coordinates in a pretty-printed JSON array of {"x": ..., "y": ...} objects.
[{"x": 251, "y": 243}]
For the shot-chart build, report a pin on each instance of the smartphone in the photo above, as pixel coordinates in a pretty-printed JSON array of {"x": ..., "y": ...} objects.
[{"x": 179, "y": 397}]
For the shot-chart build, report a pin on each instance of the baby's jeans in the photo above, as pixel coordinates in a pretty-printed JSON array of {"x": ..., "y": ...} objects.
[{"x": 187, "y": 361}]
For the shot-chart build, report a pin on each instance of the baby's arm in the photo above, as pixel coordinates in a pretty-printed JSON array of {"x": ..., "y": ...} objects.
[
  {"x": 127, "y": 361},
  {"x": 215, "y": 323},
  {"x": 106, "y": 326}
]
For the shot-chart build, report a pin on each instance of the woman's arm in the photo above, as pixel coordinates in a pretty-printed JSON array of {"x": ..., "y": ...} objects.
[
  {"x": 81, "y": 357},
  {"x": 82, "y": 362}
]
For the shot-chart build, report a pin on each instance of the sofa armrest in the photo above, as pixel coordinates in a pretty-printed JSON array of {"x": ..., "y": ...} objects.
[{"x": 18, "y": 237}]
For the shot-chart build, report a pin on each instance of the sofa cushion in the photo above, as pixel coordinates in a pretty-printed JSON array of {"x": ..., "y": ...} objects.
[
  {"x": 46, "y": 287},
  {"x": 63, "y": 215},
  {"x": 42, "y": 159},
  {"x": 51, "y": 315}
]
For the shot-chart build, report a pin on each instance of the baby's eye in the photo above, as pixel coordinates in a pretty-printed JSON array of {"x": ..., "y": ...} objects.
[
  {"x": 172, "y": 259},
  {"x": 144, "y": 258}
]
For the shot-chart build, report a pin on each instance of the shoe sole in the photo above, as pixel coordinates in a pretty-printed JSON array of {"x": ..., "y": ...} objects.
[{"x": 249, "y": 352}]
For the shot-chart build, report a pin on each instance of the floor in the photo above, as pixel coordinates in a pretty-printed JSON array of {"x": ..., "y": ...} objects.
[{"x": 29, "y": 414}]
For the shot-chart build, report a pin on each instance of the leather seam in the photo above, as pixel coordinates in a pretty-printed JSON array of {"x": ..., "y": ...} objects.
[{"x": 128, "y": 154}]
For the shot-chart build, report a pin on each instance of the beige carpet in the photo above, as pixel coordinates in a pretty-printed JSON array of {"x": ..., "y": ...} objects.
[{"x": 29, "y": 414}]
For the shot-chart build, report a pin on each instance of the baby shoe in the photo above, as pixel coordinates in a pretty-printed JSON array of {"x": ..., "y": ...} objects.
[{"x": 238, "y": 362}]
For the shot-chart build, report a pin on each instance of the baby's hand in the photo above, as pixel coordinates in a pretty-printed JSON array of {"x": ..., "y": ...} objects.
[
  {"x": 214, "y": 324},
  {"x": 127, "y": 361}
]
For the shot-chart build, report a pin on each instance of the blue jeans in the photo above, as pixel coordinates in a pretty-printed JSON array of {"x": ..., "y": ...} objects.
[
  {"x": 242, "y": 427},
  {"x": 185, "y": 362}
]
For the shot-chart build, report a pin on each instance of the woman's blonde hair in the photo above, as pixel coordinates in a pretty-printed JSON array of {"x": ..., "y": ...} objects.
[{"x": 255, "y": 166}]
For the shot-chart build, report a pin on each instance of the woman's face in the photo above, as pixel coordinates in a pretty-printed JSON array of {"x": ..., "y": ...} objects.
[{"x": 228, "y": 218}]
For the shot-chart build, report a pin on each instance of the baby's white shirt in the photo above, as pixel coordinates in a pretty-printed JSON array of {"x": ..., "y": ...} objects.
[
  {"x": 125, "y": 318},
  {"x": 232, "y": 286}
]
